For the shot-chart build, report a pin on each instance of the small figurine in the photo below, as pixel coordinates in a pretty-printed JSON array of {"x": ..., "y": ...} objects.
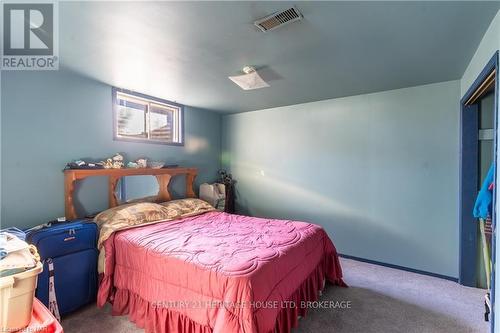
[
  {"x": 117, "y": 161},
  {"x": 108, "y": 164},
  {"x": 156, "y": 165},
  {"x": 142, "y": 163},
  {"x": 132, "y": 165}
]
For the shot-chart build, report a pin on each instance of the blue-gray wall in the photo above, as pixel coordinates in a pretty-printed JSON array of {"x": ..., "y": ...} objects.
[
  {"x": 378, "y": 171},
  {"x": 490, "y": 43},
  {"x": 50, "y": 118}
]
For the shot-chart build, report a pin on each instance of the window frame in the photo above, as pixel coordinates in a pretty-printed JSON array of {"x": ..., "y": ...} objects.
[{"x": 151, "y": 99}]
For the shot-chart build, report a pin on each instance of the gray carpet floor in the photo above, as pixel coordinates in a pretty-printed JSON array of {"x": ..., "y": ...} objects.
[{"x": 380, "y": 299}]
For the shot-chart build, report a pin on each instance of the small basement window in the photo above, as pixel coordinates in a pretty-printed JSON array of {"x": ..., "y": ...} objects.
[{"x": 142, "y": 118}]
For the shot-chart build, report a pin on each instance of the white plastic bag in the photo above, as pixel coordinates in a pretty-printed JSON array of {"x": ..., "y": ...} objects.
[
  {"x": 18, "y": 256},
  {"x": 214, "y": 194}
]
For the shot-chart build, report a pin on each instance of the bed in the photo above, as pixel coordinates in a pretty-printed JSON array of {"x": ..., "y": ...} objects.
[{"x": 200, "y": 270}]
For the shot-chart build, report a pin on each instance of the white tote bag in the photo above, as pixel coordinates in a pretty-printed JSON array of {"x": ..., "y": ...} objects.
[{"x": 214, "y": 194}]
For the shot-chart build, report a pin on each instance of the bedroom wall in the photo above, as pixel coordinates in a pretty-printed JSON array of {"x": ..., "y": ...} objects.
[
  {"x": 379, "y": 171},
  {"x": 50, "y": 118},
  {"x": 490, "y": 43}
]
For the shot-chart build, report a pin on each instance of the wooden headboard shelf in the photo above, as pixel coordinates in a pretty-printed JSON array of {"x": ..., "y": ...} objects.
[{"x": 163, "y": 177}]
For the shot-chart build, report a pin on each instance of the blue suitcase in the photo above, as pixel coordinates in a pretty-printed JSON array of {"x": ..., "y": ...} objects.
[{"x": 71, "y": 246}]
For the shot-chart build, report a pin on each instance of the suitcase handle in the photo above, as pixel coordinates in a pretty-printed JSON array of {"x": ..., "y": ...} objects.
[
  {"x": 43, "y": 226},
  {"x": 56, "y": 221},
  {"x": 46, "y": 225}
]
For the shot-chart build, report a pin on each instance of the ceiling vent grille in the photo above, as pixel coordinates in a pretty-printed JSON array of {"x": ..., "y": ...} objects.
[{"x": 278, "y": 19}]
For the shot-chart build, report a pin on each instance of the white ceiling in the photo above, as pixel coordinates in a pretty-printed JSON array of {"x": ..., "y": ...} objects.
[{"x": 185, "y": 51}]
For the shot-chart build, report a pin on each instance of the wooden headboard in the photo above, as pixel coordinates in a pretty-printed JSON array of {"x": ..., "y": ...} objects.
[{"x": 163, "y": 177}]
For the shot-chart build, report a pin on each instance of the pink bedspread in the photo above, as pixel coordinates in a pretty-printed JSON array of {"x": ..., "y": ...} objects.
[{"x": 216, "y": 272}]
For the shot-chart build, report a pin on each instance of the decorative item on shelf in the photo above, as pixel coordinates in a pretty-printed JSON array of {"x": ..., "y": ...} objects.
[
  {"x": 82, "y": 164},
  {"x": 132, "y": 165},
  {"x": 142, "y": 163},
  {"x": 108, "y": 164},
  {"x": 156, "y": 165},
  {"x": 118, "y": 161}
]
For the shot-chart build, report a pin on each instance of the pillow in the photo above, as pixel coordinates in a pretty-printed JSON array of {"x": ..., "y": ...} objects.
[
  {"x": 140, "y": 213},
  {"x": 188, "y": 207},
  {"x": 130, "y": 215},
  {"x": 134, "y": 213}
]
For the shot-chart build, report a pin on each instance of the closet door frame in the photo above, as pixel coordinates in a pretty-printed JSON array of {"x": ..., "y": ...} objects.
[{"x": 469, "y": 152}]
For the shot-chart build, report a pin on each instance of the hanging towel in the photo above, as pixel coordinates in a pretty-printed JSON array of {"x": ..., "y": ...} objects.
[{"x": 482, "y": 208}]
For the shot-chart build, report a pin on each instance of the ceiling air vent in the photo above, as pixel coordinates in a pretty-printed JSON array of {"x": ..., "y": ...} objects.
[{"x": 278, "y": 19}]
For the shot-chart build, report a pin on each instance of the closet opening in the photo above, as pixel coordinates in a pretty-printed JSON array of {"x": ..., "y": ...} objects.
[{"x": 478, "y": 147}]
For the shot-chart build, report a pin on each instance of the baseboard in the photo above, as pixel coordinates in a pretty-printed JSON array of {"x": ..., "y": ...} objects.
[{"x": 412, "y": 270}]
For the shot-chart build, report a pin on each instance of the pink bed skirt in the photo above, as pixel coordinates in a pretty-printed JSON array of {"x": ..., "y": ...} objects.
[{"x": 162, "y": 320}]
